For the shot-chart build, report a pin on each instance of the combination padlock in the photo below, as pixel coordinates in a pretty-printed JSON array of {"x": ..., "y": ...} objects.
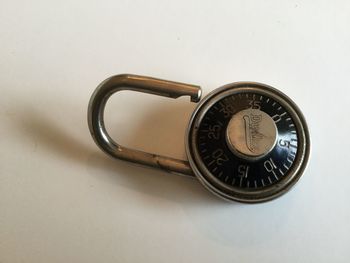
[{"x": 245, "y": 141}]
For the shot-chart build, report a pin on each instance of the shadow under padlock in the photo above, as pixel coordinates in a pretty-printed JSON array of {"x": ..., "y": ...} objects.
[{"x": 60, "y": 142}]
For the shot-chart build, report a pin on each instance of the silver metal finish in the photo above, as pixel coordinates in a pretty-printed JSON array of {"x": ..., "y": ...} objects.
[
  {"x": 251, "y": 134},
  {"x": 237, "y": 194},
  {"x": 141, "y": 84}
]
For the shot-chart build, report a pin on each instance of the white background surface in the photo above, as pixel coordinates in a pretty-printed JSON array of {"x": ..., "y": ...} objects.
[{"x": 63, "y": 200}]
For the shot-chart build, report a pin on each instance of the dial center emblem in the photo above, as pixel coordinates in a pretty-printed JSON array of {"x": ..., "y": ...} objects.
[{"x": 251, "y": 134}]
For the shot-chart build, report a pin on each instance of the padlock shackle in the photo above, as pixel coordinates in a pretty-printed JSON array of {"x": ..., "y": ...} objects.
[{"x": 141, "y": 84}]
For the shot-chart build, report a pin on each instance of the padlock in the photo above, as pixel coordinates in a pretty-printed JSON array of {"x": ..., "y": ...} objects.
[{"x": 245, "y": 141}]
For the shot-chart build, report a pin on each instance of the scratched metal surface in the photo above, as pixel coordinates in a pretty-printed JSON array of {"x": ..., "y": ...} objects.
[{"x": 63, "y": 200}]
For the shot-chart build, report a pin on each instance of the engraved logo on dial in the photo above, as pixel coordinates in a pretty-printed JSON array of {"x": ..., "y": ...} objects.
[
  {"x": 251, "y": 134},
  {"x": 252, "y": 131}
]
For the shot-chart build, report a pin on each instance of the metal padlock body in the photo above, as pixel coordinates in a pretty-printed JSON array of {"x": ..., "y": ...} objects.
[
  {"x": 293, "y": 165},
  {"x": 245, "y": 142}
]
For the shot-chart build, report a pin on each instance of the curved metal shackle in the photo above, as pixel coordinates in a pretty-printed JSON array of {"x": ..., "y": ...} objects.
[{"x": 141, "y": 84}]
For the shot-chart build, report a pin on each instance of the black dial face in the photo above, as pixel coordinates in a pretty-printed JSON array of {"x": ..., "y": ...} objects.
[{"x": 237, "y": 171}]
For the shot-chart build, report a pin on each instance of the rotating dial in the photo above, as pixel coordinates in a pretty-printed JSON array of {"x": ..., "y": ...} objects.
[
  {"x": 238, "y": 168},
  {"x": 244, "y": 142}
]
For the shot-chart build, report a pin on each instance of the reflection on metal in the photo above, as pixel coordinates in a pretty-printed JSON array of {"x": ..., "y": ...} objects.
[
  {"x": 141, "y": 84},
  {"x": 245, "y": 142},
  {"x": 251, "y": 134}
]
